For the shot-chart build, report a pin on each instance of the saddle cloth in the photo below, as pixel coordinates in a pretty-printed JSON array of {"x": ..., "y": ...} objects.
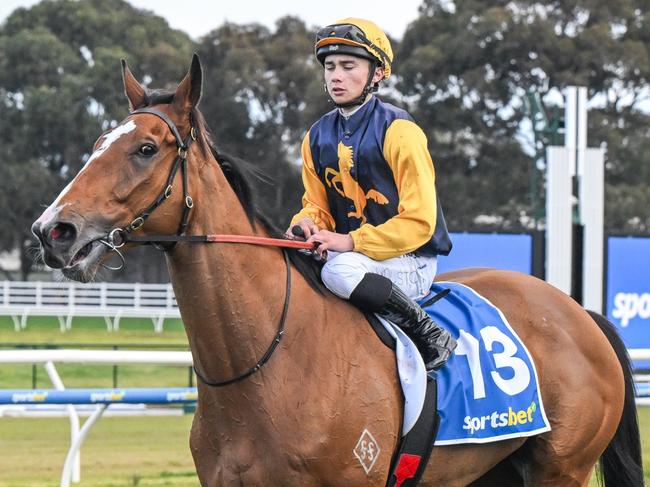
[{"x": 488, "y": 390}]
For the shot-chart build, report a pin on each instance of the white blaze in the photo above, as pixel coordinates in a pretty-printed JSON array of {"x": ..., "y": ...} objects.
[{"x": 109, "y": 138}]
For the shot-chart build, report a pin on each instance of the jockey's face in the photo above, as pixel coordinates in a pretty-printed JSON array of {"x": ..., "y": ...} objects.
[{"x": 346, "y": 76}]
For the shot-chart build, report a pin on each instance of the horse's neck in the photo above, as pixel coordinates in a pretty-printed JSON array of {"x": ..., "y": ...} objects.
[{"x": 229, "y": 294}]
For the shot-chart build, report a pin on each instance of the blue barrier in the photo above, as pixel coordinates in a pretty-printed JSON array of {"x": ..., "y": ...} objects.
[
  {"x": 642, "y": 389},
  {"x": 512, "y": 252},
  {"x": 99, "y": 396}
]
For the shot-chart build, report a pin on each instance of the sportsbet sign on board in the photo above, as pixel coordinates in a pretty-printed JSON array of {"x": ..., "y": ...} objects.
[{"x": 628, "y": 289}]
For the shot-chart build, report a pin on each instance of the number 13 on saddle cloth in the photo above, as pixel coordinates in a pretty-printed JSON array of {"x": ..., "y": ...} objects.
[{"x": 488, "y": 390}]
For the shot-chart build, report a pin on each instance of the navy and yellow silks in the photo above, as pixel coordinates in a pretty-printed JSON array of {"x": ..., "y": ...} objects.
[{"x": 371, "y": 175}]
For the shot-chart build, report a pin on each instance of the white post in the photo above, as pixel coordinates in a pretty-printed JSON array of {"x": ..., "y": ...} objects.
[
  {"x": 591, "y": 189},
  {"x": 75, "y": 459},
  {"x": 75, "y": 447},
  {"x": 575, "y": 159},
  {"x": 592, "y": 209},
  {"x": 558, "y": 219},
  {"x": 581, "y": 129},
  {"x": 39, "y": 293},
  {"x": 570, "y": 126}
]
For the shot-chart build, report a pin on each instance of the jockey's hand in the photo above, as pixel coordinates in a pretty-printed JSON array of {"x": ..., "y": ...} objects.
[
  {"x": 306, "y": 224},
  {"x": 326, "y": 240}
]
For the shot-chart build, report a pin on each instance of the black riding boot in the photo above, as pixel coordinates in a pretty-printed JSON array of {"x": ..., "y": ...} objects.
[{"x": 378, "y": 294}]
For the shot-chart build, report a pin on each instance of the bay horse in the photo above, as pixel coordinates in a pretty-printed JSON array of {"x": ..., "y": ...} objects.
[{"x": 302, "y": 373}]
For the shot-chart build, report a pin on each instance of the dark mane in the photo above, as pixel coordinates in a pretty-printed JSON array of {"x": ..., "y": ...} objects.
[{"x": 239, "y": 174}]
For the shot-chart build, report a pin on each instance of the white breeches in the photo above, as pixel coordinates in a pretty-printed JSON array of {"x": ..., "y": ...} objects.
[{"x": 413, "y": 274}]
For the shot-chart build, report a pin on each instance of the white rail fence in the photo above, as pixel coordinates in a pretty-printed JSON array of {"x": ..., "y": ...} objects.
[
  {"x": 67, "y": 300},
  {"x": 72, "y": 466}
]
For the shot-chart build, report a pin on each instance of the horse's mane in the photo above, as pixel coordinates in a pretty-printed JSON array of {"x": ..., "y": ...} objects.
[{"x": 239, "y": 174}]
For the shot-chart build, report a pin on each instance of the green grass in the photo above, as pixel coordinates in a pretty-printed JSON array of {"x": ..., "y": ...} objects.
[
  {"x": 132, "y": 451},
  {"x": 92, "y": 333},
  {"x": 43, "y": 329}
]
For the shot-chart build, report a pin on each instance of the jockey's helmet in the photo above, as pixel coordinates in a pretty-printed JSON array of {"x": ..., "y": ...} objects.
[{"x": 356, "y": 37}]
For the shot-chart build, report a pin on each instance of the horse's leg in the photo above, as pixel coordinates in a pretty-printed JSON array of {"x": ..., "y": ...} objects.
[
  {"x": 562, "y": 474},
  {"x": 518, "y": 471},
  {"x": 505, "y": 474},
  {"x": 459, "y": 465},
  {"x": 556, "y": 458},
  {"x": 200, "y": 447}
]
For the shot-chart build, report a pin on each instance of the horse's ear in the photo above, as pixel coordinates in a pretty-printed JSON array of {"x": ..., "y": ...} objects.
[
  {"x": 134, "y": 91},
  {"x": 188, "y": 93}
]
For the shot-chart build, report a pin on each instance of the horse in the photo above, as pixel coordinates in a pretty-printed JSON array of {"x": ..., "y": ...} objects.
[{"x": 290, "y": 376}]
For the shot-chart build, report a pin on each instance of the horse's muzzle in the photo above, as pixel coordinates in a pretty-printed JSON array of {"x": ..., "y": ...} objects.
[{"x": 57, "y": 239}]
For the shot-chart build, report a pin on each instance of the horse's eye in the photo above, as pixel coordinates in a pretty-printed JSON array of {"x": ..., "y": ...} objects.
[{"x": 147, "y": 150}]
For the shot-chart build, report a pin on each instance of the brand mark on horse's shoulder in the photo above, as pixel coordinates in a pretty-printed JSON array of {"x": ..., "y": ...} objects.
[{"x": 367, "y": 451}]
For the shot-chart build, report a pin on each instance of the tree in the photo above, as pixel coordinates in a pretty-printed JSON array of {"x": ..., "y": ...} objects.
[
  {"x": 270, "y": 87},
  {"x": 468, "y": 67}
]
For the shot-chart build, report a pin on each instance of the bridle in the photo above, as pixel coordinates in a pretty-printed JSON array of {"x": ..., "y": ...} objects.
[
  {"x": 120, "y": 236},
  {"x": 179, "y": 162}
]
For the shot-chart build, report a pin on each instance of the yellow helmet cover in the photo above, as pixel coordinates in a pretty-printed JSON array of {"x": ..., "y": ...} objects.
[{"x": 358, "y": 37}]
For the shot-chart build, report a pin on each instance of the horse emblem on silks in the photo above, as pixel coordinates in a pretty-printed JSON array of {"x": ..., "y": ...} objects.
[{"x": 348, "y": 187}]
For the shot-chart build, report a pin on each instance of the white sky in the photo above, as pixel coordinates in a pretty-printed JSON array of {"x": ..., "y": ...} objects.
[{"x": 198, "y": 17}]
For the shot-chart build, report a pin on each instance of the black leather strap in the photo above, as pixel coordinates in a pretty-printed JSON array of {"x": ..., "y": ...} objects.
[
  {"x": 179, "y": 162},
  {"x": 414, "y": 450},
  {"x": 269, "y": 351},
  {"x": 172, "y": 126}
]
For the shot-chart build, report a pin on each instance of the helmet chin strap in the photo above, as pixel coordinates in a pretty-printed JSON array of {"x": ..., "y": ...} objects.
[{"x": 369, "y": 88}]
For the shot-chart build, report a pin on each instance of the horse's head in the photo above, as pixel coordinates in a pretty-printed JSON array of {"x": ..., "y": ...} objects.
[{"x": 127, "y": 179}]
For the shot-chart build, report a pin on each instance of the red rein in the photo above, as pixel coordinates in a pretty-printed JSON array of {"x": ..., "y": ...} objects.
[{"x": 270, "y": 242}]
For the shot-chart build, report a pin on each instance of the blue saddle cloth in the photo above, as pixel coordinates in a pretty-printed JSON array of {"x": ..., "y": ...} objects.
[{"x": 488, "y": 390}]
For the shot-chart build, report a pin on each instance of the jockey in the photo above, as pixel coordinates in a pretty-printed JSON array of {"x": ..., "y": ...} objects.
[{"x": 370, "y": 200}]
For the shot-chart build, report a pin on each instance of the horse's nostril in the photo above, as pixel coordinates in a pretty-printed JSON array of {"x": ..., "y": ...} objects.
[
  {"x": 36, "y": 230},
  {"x": 62, "y": 232},
  {"x": 55, "y": 233}
]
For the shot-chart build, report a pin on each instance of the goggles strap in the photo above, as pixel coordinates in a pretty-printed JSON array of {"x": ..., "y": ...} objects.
[{"x": 353, "y": 33}]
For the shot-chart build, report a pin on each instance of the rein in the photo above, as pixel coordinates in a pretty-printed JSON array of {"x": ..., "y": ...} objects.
[
  {"x": 269, "y": 351},
  {"x": 245, "y": 239},
  {"x": 118, "y": 237}
]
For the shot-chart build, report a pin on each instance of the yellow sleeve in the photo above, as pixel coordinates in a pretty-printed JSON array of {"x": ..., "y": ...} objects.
[
  {"x": 405, "y": 150},
  {"x": 314, "y": 201}
]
